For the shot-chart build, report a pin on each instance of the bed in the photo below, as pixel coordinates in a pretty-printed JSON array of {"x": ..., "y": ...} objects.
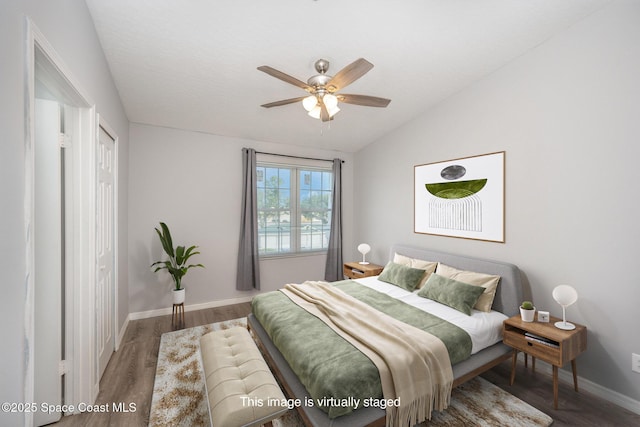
[{"x": 506, "y": 301}]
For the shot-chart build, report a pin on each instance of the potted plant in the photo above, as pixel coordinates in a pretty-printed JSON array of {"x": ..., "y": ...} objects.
[
  {"x": 176, "y": 265},
  {"x": 527, "y": 311}
]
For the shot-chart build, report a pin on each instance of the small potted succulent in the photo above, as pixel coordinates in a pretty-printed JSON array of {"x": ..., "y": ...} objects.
[
  {"x": 527, "y": 311},
  {"x": 176, "y": 265}
]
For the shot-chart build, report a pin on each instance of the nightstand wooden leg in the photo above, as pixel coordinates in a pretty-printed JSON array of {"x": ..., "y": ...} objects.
[
  {"x": 514, "y": 360},
  {"x": 533, "y": 364},
  {"x": 526, "y": 360},
  {"x": 555, "y": 387},
  {"x": 575, "y": 374}
]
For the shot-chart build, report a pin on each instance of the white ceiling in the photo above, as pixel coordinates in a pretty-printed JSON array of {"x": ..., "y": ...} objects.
[{"x": 191, "y": 64}]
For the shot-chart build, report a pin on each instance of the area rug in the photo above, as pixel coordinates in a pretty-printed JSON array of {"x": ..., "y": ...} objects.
[{"x": 179, "y": 397}]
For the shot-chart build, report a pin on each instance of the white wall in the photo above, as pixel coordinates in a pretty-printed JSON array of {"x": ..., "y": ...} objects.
[
  {"x": 568, "y": 116},
  {"x": 69, "y": 28},
  {"x": 192, "y": 181}
]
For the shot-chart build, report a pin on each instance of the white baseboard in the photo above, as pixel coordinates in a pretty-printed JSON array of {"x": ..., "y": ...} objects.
[
  {"x": 589, "y": 386},
  {"x": 122, "y": 331},
  {"x": 164, "y": 311}
]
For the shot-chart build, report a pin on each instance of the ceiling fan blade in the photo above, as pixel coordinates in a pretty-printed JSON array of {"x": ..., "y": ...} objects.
[
  {"x": 366, "y": 100},
  {"x": 283, "y": 102},
  {"x": 285, "y": 77},
  {"x": 324, "y": 114},
  {"x": 349, "y": 74}
]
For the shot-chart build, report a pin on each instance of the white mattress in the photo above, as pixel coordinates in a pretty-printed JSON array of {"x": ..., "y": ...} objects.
[{"x": 485, "y": 329}]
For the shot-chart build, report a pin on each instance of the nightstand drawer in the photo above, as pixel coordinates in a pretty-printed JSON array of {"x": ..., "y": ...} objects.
[
  {"x": 352, "y": 272},
  {"x": 536, "y": 349}
]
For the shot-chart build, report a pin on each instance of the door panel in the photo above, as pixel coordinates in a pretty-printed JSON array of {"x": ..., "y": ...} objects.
[
  {"x": 105, "y": 238},
  {"x": 48, "y": 261}
]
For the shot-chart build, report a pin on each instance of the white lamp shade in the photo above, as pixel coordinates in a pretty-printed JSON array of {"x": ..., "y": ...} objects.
[
  {"x": 364, "y": 249},
  {"x": 332, "y": 111},
  {"x": 309, "y": 102},
  {"x": 315, "y": 113},
  {"x": 565, "y": 295},
  {"x": 331, "y": 101}
]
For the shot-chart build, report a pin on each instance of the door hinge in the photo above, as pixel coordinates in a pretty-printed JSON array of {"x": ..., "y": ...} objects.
[
  {"x": 62, "y": 367},
  {"x": 64, "y": 141}
]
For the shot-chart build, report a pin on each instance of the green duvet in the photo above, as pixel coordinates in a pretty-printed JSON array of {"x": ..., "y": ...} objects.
[{"x": 337, "y": 375}]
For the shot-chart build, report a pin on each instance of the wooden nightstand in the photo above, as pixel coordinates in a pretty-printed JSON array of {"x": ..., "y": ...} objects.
[
  {"x": 565, "y": 346},
  {"x": 355, "y": 270}
]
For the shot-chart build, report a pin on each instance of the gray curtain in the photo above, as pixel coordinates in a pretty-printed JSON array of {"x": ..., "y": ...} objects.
[
  {"x": 333, "y": 268},
  {"x": 248, "y": 277}
]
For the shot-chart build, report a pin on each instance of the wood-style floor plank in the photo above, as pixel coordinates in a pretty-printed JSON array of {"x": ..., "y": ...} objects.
[{"x": 129, "y": 377}]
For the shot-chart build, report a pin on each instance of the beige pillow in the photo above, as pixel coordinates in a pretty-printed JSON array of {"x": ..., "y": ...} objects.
[
  {"x": 487, "y": 281},
  {"x": 428, "y": 266}
]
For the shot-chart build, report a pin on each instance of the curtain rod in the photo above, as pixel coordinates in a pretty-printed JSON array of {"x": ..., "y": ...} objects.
[{"x": 296, "y": 157}]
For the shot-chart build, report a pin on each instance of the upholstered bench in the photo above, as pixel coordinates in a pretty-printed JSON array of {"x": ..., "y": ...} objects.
[{"x": 241, "y": 390}]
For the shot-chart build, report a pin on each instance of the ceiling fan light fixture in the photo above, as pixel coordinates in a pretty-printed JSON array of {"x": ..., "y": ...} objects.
[
  {"x": 315, "y": 112},
  {"x": 331, "y": 102},
  {"x": 320, "y": 101},
  {"x": 310, "y": 102}
]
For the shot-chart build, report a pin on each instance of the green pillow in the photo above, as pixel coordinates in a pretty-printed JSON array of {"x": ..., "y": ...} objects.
[
  {"x": 401, "y": 275},
  {"x": 459, "y": 295}
]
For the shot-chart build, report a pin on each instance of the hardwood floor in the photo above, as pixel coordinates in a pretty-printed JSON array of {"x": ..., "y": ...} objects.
[{"x": 130, "y": 374}]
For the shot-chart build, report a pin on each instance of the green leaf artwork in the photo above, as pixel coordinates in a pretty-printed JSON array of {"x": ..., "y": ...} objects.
[{"x": 456, "y": 190}]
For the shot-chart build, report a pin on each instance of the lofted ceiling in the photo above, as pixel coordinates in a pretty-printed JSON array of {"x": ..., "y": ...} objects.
[{"x": 191, "y": 64}]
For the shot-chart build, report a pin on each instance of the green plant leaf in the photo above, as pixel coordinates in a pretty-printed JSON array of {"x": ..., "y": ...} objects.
[
  {"x": 189, "y": 253},
  {"x": 180, "y": 255},
  {"x": 195, "y": 265},
  {"x": 167, "y": 241}
]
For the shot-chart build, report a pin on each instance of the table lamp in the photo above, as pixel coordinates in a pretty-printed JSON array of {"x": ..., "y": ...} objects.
[
  {"x": 565, "y": 295},
  {"x": 364, "y": 249}
]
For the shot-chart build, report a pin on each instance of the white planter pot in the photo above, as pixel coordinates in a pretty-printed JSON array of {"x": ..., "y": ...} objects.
[
  {"x": 527, "y": 315},
  {"x": 178, "y": 296}
]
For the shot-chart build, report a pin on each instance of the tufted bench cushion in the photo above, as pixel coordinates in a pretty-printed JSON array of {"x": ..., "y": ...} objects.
[{"x": 240, "y": 387}]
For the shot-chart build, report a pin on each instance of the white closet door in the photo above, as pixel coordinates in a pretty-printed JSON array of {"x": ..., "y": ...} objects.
[{"x": 105, "y": 287}]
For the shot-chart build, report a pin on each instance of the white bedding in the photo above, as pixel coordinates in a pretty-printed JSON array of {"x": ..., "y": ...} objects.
[{"x": 485, "y": 329}]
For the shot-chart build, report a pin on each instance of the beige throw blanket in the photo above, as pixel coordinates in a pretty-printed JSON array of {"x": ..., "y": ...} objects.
[{"x": 415, "y": 370}]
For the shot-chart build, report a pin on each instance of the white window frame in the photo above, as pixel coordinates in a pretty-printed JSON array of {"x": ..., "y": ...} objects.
[{"x": 296, "y": 227}]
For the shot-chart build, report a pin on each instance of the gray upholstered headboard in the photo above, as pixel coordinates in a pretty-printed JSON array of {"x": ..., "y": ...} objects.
[{"x": 509, "y": 293}]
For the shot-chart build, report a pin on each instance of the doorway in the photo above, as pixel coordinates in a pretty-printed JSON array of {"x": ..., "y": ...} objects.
[
  {"x": 49, "y": 255},
  {"x": 60, "y": 203}
]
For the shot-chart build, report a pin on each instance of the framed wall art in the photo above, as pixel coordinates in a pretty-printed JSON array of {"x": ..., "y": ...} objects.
[{"x": 461, "y": 197}]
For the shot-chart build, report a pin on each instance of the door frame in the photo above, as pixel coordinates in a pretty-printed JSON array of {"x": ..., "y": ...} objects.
[{"x": 41, "y": 59}]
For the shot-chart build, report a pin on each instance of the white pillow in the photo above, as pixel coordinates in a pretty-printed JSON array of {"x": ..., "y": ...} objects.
[{"x": 428, "y": 266}]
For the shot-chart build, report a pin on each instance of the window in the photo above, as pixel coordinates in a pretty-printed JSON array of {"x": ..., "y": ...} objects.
[{"x": 294, "y": 209}]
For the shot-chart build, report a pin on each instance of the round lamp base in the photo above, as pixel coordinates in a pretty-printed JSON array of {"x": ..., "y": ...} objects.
[
  {"x": 566, "y": 326},
  {"x": 364, "y": 262}
]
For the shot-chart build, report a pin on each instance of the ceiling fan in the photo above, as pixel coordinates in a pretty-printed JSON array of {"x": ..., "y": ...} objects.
[{"x": 322, "y": 103}]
